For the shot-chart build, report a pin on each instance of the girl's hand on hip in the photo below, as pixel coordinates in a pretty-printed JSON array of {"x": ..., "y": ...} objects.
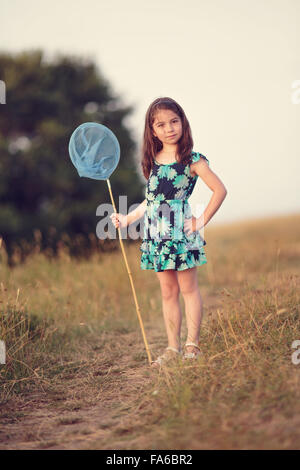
[
  {"x": 192, "y": 225},
  {"x": 119, "y": 220}
]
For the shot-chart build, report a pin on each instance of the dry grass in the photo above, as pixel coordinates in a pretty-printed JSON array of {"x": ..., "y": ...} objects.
[{"x": 77, "y": 375}]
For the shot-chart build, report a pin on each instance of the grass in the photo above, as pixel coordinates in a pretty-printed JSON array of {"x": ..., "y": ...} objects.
[{"x": 76, "y": 364}]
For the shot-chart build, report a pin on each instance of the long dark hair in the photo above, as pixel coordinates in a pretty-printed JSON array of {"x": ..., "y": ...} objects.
[{"x": 152, "y": 145}]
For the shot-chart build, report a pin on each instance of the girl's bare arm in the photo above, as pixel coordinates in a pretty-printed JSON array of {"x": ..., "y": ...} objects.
[
  {"x": 202, "y": 169},
  {"x": 121, "y": 220},
  {"x": 137, "y": 213}
]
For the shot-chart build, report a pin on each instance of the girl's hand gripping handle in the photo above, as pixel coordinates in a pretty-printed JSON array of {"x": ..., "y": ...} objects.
[{"x": 119, "y": 220}]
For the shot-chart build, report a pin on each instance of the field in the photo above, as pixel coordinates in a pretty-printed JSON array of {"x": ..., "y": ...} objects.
[{"x": 76, "y": 373}]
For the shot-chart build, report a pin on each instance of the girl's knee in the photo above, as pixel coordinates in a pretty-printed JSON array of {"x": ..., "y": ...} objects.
[
  {"x": 170, "y": 291},
  {"x": 189, "y": 289},
  {"x": 169, "y": 284}
]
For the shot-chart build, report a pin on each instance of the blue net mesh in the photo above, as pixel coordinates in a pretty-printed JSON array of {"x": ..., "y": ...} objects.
[{"x": 94, "y": 151}]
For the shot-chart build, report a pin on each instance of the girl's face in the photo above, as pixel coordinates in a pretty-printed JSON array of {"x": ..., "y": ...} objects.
[{"x": 167, "y": 126}]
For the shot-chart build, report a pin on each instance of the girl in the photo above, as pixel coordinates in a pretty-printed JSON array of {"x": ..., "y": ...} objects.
[{"x": 172, "y": 245}]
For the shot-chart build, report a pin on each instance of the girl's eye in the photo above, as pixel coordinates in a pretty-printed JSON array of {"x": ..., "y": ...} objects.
[{"x": 175, "y": 120}]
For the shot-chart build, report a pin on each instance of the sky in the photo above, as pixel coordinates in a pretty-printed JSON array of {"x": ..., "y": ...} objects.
[{"x": 230, "y": 64}]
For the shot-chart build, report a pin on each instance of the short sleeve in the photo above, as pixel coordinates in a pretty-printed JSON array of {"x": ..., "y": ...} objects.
[{"x": 197, "y": 156}]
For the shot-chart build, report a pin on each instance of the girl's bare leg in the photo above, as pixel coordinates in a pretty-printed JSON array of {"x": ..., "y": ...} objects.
[
  {"x": 171, "y": 306},
  {"x": 188, "y": 284}
]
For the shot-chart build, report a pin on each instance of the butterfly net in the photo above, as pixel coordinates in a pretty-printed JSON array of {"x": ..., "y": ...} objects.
[{"x": 94, "y": 151}]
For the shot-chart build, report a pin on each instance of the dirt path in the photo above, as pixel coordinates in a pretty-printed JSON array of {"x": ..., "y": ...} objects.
[
  {"x": 95, "y": 402},
  {"x": 89, "y": 408}
]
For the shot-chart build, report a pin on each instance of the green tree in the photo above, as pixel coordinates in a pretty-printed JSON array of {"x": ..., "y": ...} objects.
[{"x": 39, "y": 187}]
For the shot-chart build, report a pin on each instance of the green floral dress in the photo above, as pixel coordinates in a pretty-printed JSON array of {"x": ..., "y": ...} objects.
[{"x": 165, "y": 245}]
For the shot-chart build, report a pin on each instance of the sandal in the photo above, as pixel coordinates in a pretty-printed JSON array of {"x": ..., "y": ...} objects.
[
  {"x": 166, "y": 356},
  {"x": 192, "y": 355}
]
